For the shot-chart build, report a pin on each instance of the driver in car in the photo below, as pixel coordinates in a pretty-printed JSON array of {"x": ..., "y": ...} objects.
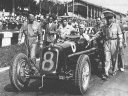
[{"x": 64, "y": 29}]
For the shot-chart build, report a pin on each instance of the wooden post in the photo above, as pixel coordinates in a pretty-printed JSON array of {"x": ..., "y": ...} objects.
[
  {"x": 97, "y": 12},
  {"x": 94, "y": 12},
  {"x": 49, "y": 6},
  {"x": 87, "y": 11},
  {"x": 13, "y": 6},
  {"x": 73, "y": 8},
  {"x": 67, "y": 7},
  {"x": 29, "y": 6},
  {"x": 91, "y": 10},
  {"x": 40, "y": 7},
  {"x": 57, "y": 7}
]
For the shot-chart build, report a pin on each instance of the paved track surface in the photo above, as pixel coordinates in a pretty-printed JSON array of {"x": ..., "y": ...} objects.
[{"x": 115, "y": 85}]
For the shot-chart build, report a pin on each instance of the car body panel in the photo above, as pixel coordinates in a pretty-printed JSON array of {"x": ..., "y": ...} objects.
[{"x": 63, "y": 55}]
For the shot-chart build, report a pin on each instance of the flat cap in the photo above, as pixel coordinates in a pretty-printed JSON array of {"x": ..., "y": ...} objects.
[{"x": 108, "y": 14}]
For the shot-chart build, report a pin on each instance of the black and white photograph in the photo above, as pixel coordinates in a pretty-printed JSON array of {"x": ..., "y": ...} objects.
[{"x": 63, "y": 47}]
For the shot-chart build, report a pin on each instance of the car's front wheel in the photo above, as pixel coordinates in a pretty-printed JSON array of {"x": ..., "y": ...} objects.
[
  {"x": 18, "y": 72},
  {"x": 82, "y": 74}
]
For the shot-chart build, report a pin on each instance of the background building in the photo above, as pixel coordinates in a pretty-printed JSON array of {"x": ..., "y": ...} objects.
[
  {"x": 89, "y": 10},
  {"x": 78, "y": 7}
]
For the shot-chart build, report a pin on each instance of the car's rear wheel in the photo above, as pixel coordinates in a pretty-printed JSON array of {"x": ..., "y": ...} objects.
[
  {"x": 82, "y": 74},
  {"x": 18, "y": 72}
]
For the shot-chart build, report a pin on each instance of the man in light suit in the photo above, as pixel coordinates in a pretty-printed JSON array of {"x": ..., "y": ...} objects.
[{"x": 31, "y": 29}]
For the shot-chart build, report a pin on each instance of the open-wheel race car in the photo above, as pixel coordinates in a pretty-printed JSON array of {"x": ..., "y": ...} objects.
[{"x": 71, "y": 59}]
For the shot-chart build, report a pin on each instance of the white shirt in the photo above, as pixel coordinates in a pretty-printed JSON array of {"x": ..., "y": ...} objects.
[
  {"x": 65, "y": 30},
  {"x": 75, "y": 24},
  {"x": 50, "y": 24}
]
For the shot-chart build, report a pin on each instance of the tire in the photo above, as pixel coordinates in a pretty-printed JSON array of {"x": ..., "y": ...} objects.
[
  {"x": 83, "y": 66},
  {"x": 18, "y": 82}
]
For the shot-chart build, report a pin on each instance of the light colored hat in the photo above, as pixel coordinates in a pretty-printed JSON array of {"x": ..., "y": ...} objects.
[{"x": 108, "y": 14}]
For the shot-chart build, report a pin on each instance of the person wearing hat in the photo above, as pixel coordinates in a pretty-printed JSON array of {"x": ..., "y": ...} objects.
[
  {"x": 112, "y": 41},
  {"x": 31, "y": 29}
]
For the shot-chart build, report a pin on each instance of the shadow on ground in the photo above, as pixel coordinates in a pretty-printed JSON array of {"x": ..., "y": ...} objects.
[
  {"x": 50, "y": 86},
  {"x": 53, "y": 86}
]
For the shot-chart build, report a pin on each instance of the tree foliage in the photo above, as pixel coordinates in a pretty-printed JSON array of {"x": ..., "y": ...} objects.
[{"x": 46, "y": 6}]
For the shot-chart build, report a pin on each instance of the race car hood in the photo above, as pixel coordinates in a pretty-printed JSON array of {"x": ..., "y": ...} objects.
[
  {"x": 70, "y": 47},
  {"x": 65, "y": 47}
]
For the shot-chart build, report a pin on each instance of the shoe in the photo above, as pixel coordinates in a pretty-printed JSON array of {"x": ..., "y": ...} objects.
[
  {"x": 104, "y": 77},
  {"x": 122, "y": 69},
  {"x": 114, "y": 73},
  {"x": 117, "y": 69}
]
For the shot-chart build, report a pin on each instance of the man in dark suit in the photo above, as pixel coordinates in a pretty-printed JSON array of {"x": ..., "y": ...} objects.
[{"x": 50, "y": 28}]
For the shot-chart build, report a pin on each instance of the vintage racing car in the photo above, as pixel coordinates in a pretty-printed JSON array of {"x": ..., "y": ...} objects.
[{"x": 71, "y": 59}]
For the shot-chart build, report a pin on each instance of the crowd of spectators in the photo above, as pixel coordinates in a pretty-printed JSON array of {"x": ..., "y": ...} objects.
[
  {"x": 87, "y": 22},
  {"x": 11, "y": 22},
  {"x": 15, "y": 22}
]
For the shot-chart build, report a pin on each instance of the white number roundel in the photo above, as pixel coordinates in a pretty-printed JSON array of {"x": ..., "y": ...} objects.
[
  {"x": 48, "y": 61},
  {"x": 73, "y": 46}
]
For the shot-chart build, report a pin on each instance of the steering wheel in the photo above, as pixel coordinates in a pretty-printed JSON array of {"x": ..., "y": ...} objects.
[
  {"x": 53, "y": 32},
  {"x": 73, "y": 36},
  {"x": 74, "y": 32}
]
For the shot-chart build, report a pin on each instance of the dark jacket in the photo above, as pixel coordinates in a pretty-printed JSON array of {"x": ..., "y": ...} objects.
[{"x": 48, "y": 34}]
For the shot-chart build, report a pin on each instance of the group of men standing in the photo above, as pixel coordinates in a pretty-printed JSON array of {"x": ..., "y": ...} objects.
[
  {"x": 114, "y": 41},
  {"x": 112, "y": 35},
  {"x": 44, "y": 30}
]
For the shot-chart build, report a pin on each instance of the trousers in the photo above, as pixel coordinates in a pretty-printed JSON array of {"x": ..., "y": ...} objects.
[
  {"x": 121, "y": 57},
  {"x": 31, "y": 52},
  {"x": 111, "y": 55}
]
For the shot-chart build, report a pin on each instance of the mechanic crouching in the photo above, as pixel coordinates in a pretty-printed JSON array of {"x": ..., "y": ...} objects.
[{"x": 31, "y": 30}]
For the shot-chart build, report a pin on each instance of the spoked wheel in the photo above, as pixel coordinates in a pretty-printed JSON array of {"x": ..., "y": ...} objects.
[
  {"x": 82, "y": 74},
  {"x": 19, "y": 71}
]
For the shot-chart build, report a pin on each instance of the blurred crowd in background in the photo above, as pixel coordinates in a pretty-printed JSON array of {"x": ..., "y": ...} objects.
[
  {"x": 15, "y": 22},
  {"x": 11, "y": 22}
]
